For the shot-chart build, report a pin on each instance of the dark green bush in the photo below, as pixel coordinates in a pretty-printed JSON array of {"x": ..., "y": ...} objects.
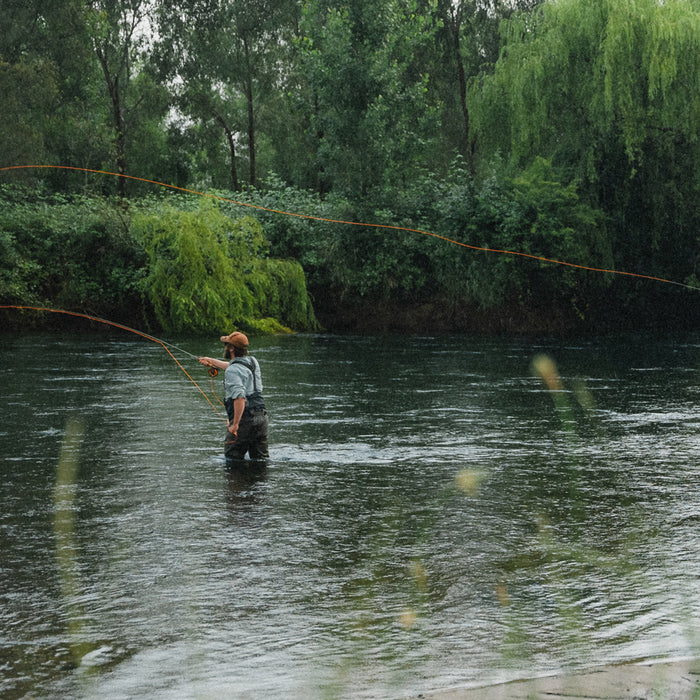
[{"x": 187, "y": 267}]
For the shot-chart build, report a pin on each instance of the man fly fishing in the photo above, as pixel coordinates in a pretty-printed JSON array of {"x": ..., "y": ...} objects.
[{"x": 243, "y": 399}]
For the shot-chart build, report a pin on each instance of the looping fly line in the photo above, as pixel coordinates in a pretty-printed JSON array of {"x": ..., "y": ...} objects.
[
  {"x": 166, "y": 346},
  {"x": 482, "y": 249}
]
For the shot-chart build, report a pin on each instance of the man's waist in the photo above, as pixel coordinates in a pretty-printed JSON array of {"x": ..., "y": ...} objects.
[{"x": 255, "y": 396}]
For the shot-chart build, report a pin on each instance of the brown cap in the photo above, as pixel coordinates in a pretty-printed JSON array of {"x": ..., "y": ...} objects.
[{"x": 238, "y": 340}]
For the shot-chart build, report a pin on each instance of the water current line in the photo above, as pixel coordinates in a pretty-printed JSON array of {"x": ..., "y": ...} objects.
[
  {"x": 165, "y": 345},
  {"x": 483, "y": 249}
]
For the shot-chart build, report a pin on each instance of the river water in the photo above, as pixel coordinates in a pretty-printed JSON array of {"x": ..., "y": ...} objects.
[{"x": 433, "y": 516}]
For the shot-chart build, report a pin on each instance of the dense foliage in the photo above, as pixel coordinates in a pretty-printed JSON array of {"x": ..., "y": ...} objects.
[
  {"x": 179, "y": 267},
  {"x": 610, "y": 93},
  {"x": 563, "y": 129}
]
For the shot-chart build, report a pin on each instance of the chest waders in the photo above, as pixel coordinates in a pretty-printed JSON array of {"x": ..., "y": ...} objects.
[{"x": 252, "y": 430}]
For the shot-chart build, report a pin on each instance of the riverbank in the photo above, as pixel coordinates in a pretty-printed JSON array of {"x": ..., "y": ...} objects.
[
  {"x": 673, "y": 680},
  {"x": 440, "y": 315}
]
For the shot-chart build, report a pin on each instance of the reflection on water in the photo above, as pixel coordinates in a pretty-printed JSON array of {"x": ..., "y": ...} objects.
[{"x": 434, "y": 515}]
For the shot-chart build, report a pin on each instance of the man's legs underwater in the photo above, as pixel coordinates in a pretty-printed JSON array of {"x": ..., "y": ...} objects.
[
  {"x": 252, "y": 438},
  {"x": 258, "y": 447}
]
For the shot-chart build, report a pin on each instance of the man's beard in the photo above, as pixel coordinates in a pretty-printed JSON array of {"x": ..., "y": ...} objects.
[{"x": 227, "y": 353}]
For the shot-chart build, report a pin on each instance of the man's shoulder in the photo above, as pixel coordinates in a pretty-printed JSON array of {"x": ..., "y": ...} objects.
[
  {"x": 235, "y": 366},
  {"x": 246, "y": 364}
]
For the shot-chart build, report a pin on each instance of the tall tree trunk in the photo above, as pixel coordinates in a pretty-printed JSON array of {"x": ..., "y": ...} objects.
[
  {"x": 120, "y": 141},
  {"x": 455, "y": 27},
  {"x": 232, "y": 149},
  {"x": 321, "y": 184},
  {"x": 251, "y": 118}
]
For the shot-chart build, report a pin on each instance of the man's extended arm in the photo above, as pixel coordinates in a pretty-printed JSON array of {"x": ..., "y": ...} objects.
[{"x": 213, "y": 362}]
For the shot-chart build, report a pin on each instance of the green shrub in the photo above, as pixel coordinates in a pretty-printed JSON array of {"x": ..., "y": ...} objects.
[
  {"x": 207, "y": 270},
  {"x": 70, "y": 253}
]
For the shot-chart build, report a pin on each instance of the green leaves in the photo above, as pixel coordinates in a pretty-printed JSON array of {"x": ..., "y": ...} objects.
[
  {"x": 608, "y": 92},
  {"x": 190, "y": 279},
  {"x": 207, "y": 271},
  {"x": 75, "y": 254},
  {"x": 28, "y": 94},
  {"x": 194, "y": 269},
  {"x": 610, "y": 67},
  {"x": 372, "y": 123}
]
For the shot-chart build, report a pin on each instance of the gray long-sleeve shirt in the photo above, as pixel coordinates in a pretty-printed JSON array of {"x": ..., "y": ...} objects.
[{"x": 238, "y": 379}]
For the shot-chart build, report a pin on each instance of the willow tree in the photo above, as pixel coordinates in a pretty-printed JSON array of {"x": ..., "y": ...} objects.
[
  {"x": 469, "y": 41},
  {"x": 207, "y": 270},
  {"x": 609, "y": 90}
]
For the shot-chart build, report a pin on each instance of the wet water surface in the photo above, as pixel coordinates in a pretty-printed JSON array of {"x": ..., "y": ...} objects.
[{"x": 433, "y": 516}]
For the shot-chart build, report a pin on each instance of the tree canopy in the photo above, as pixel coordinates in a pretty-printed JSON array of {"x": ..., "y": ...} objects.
[
  {"x": 566, "y": 129},
  {"x": 609, "y": 91}
]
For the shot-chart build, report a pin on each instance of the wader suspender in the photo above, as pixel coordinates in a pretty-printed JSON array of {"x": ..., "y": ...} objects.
[
  {"x": 250, "y": 365},
  {"x": 253, "y": 401}
]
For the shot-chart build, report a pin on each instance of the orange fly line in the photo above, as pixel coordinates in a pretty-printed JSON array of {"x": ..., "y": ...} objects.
[
  {"x": 121, "y": 326},
  {"x": 483, "y": 249},
  {"x": 164, "y": 345}
]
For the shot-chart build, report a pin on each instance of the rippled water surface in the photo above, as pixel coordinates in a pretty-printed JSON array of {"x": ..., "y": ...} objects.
[{"x": 433, "y": 516}]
